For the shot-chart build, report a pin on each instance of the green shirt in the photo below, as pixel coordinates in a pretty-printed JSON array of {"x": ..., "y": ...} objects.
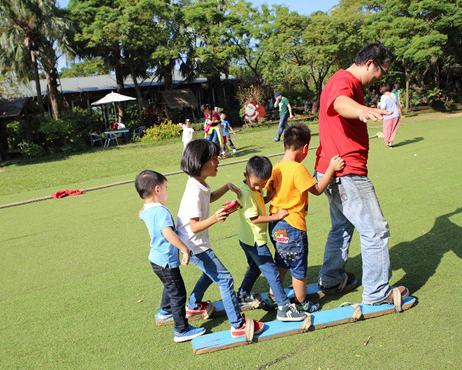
[
  {"x": 253, "y": 205},
  {"x": 283, "y": 103}
]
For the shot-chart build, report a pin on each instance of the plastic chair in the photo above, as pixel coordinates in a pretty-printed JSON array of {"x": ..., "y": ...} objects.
[
  {"x": 139, "y": 132},
  {"x": 95, "y": 138}
]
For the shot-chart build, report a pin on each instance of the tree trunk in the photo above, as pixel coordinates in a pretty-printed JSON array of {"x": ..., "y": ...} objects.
[
  {"x": 407, "y": 76},
  {"x": 55, "y": 97},
  {"x": 141, "y": 102},
  {"x": 216, "y": 84},
  {"x": 168, "y": 76},
  {"x": 120, "y": 90},
  {"x": 38, "y": 89}
]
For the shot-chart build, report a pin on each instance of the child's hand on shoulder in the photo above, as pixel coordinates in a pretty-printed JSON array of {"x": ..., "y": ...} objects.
[
  {"x": 185, "y": 259},
  {"x": 282, "y": 213},
  {"x": 234, "y": 189},
  {"x": 220, "y": 215},
  {"x": 337, "y": 163}
]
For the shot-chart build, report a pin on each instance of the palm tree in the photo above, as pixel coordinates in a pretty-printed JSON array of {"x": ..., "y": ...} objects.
[
  {"x": 17, "y": 62},
  {"x": 42, "y": 28}
]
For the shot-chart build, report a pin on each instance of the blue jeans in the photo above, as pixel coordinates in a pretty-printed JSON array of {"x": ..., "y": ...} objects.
[
  {"x": 213, "y": 271},
  {"x": 291, "y": 246},
  {"x": 213, "y": 137},
  {"x": 260, "y": 260},
  {"x": 354, "y": 204},
  {"x": 282, "y": 125}
]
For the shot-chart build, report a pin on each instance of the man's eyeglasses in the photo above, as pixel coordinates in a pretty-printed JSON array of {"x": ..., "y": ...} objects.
[{"x": 381, "y": 68}]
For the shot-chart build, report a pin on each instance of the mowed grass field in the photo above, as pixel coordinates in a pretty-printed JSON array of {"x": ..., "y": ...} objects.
[{"x": 77, "y": 290}]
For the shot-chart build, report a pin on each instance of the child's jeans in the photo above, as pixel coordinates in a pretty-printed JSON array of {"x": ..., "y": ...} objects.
[
  {"x": 173, "y": 296},
  {"x": 291, "y": 248},
  {"x": 260, "y": 260},
  {"x": 215, "y": 272}
]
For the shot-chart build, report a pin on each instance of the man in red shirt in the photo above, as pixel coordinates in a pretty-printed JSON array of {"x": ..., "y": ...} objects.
[{"x": 353, "y": 203}]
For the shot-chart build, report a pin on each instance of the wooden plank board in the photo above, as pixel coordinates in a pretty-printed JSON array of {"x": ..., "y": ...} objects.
[
  {"x": 312, "y": 291},
  {"x": 275, "y": 329}
]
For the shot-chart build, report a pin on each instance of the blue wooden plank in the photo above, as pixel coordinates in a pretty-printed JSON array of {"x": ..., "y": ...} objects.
[
  {"x": 221, "y": 340},
  {"x": 311, "y": 290}
]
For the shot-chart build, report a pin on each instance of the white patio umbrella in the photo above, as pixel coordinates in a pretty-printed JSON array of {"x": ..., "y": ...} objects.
[{"x": 113, "y": 98}]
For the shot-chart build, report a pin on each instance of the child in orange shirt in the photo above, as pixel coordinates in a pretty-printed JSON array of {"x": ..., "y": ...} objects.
[{"x": 288, "y": 188}]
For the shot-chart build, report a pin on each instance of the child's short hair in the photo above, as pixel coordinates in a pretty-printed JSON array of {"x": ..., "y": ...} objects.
[
  {"x": 222, "y": 114},
  {"x": 259, "y": 166},
  {"x": 385, "y": 88},
  {"x": 296, "y": 136},
  {"x": 196, "y": 154},
  {"x": 148, "y": 180}
]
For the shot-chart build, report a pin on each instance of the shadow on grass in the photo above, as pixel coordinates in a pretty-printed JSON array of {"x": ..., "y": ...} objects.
[
  {"x": 421, "y": 257},
  {"x": 406, "y": 142}
]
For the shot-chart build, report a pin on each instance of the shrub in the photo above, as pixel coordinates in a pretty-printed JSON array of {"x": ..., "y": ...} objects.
[
  {"x": 166, "y": 130},
  {"x": 32, "y": 151},
  {"x": 15, "y": 134}
]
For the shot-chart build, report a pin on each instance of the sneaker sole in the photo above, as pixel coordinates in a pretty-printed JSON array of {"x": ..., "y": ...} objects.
[{"x": 188, "y": 338}]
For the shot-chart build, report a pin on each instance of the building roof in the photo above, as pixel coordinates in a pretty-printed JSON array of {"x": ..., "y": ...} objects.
[
  {"x": 108, "y": 82},
  {"x": 12, "y": 108},
  {"x": 177, "y": 99}
]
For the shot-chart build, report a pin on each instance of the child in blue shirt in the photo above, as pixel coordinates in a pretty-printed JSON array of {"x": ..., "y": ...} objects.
[
  {"x": 165, "y": 243},
  {"x": 226, "y": 133}
]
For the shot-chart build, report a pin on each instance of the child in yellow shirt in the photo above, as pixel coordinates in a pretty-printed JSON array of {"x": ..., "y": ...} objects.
[{"x": 290, "y": 183}]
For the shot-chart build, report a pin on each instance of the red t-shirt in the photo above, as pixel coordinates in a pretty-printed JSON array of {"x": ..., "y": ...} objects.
[{"x": 337, "y": 135}]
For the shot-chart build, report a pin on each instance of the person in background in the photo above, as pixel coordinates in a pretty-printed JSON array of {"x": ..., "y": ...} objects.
[
  {"x": 390, "y": 122},
  {"x": 188, "y": 132},
  {"x": 285, "y": 112}
]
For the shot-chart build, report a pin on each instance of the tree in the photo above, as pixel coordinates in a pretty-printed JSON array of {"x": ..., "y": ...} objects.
[
  {"x": 42, "y": 28},
  {"x": 211, "y": 23},
  {"x": 408, "y": 28},
  {"x": 92, "y": 67},
  {"x": 97, "y": 35}
]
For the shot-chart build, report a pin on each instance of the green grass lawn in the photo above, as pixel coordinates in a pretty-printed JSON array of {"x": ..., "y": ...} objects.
[{"x": 77, "y": 292}]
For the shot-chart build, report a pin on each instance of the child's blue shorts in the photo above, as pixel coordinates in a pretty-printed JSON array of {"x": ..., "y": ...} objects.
[{"x": 291, "y": 248}]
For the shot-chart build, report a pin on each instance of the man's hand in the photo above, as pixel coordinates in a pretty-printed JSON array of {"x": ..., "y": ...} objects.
[
  {"x": 373, "y": 114},
  {"x": 337, "y": 163},
  {"x": 234, "y": 189}
]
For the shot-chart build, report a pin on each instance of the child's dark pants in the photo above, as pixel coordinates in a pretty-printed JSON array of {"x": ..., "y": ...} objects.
[{"x": 174, "y": 295}]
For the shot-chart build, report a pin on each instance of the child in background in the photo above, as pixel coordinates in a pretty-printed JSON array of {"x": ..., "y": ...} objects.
[
  {"x": 188, "y": 132},
  {"x": 290, "y": 183},
  {"x": 152, "y": 187},
  {"x": 200, "y": 161},
  {"x": 226, "y": 136},
  {"x": 390, "y": 122},
  {"x": 253, "y": 238}
]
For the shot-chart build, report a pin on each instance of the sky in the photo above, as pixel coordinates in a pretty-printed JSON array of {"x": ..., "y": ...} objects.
[{"x": 301, "y": 6}]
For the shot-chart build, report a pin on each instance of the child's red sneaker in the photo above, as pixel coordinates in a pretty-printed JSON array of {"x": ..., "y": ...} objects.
[
  {"x": 240, "y": 331},
  {"x": 199, "y": 310}
]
